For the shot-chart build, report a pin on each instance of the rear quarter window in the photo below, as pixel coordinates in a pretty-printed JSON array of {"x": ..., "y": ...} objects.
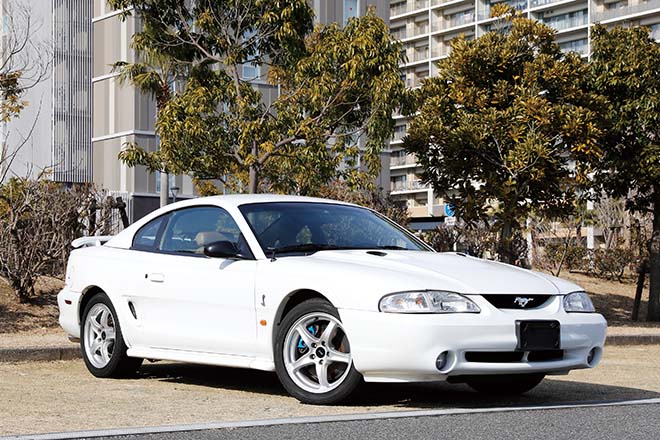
[{"x": 145, "y": 237}]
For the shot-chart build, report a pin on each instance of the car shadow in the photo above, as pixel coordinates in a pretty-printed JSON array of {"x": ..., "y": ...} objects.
[{"x": 435, "y": 395}]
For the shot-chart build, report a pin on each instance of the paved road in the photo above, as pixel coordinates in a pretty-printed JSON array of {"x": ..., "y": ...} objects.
[{"x": 616, "y": 422}]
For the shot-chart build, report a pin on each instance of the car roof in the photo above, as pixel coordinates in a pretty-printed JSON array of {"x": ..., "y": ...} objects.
[
  {"x": 230, "y": 202},
  {"x": 243, "y": 199}
]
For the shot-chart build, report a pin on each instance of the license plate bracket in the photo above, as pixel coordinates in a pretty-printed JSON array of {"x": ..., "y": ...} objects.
[{"x": 538, "y": 335}]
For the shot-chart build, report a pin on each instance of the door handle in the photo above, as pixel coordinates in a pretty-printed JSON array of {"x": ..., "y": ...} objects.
[{"x": 156, "y": 277}]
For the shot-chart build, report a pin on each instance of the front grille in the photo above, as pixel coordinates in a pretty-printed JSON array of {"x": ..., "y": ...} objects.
[
  {"x": 519, "y": 302},
  {"x": 504, "y": 357}
]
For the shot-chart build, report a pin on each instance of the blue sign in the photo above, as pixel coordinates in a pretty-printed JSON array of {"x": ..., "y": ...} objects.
[{"x": 449, "y": 210}]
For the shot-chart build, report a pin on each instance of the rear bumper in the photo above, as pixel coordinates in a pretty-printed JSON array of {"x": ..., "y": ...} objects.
[
  {"x": 389, "y": 347},
  {"x": 68, "y": 303}
]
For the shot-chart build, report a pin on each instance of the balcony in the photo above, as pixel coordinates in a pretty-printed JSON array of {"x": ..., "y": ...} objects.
[
  {"x": 580, "y": 47},
  {"x": 516, "y": 4},
  {"x": 397, "y": 161},
  {"x": 421, "y": 55},
  {"x": 399, "y": 33},
  {"x": 421, "y": 29},
  {"x": 399, "y": 133},
  {"x": 411, "y": 185},
  {"x": 409, "y": 6},
  {"x": 568, "y": 21},
  {"x": 459, "y": 19},
  {"x": 418, "y": 211},
  {"x": 625, "y": 11},
  {"x": 535, "y": 3},
  {"x": 441, "y": 51}
]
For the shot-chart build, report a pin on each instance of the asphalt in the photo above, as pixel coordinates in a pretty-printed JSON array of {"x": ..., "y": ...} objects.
[{"x": 603, "y": 421}]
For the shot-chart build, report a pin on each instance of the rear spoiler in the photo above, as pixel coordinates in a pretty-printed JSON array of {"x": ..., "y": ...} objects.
[{"x": 95, "y": 240}]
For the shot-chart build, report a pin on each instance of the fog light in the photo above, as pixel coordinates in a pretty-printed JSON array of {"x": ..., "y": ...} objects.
[{"x": 441, "y": 361}]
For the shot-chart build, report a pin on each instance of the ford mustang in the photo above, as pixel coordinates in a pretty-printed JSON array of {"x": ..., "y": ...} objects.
[{"x": 324, "y": 293}]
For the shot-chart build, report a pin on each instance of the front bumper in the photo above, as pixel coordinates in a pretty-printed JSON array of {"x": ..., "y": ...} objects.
[
  {"x": 68, "y": 303},
  {"x": 390, "y": 347}
]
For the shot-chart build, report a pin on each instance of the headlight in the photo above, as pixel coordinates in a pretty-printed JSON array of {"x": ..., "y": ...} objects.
[
  {"x": 429, "y": 301},
  {"x": 578, "y": 302}
]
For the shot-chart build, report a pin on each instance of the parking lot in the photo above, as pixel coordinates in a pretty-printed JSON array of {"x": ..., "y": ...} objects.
[{"x": 58, "y": 396}]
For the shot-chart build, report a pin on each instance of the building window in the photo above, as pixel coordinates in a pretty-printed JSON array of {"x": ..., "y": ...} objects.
[
  {"x": 350, "y": 10},
  {"x": 250, "y": 71}
]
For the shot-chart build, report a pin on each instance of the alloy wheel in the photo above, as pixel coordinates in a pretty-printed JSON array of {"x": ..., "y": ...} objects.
[
  {"x": 317, "y": 354},
  {"x": 99, "y": 335}
]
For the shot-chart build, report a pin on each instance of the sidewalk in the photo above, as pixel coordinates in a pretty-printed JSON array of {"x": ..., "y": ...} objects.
[{"x": 53, "y": 344}]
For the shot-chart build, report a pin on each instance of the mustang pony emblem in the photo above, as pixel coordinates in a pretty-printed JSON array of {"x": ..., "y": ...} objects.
[{"x": 522, "y": 302}]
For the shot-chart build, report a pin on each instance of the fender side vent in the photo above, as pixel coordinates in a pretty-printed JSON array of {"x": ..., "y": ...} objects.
[
  {"x": 132, "y": 308},
  {"x": 377, "y": 253}
]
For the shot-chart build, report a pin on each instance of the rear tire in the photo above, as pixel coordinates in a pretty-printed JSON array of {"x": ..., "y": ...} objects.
[
  {"x": 312, "y": 355},
  {"x": 101, "y": 341},
  {"x": 506, "y": 384}
]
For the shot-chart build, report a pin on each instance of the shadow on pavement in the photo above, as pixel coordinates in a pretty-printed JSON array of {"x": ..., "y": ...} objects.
[{"x": 414, "y": 396}]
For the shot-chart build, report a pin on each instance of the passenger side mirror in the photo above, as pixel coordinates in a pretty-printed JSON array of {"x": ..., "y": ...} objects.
[{"x": 223, "y": 249}]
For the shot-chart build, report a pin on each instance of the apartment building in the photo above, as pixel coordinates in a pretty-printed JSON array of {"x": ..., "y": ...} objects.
[
  {"x": 427, "y": 27},
  {"x": 54, "y": 131}
]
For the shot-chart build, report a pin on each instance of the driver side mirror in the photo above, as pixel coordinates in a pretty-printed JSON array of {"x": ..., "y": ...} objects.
[{"x": 223, "y": 249}]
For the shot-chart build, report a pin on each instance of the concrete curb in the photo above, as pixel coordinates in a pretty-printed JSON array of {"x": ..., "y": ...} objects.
[
  {"x": 63, "y": 353},
  {"x": 632, "y": 340},
  {"x": 69, "y": 352}
]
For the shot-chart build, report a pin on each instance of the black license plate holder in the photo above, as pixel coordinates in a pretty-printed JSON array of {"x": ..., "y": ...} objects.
[{"x": 538, "y": 335}]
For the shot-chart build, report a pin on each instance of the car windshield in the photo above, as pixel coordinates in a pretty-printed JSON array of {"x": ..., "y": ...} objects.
[{"x": 295, "y": 227}]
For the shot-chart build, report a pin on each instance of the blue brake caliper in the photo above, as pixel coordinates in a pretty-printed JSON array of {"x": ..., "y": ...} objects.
[{"x": 301, "y": 343}]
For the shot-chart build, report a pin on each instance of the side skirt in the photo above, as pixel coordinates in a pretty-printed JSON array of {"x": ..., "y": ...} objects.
[{"x": 224, "y": 360}]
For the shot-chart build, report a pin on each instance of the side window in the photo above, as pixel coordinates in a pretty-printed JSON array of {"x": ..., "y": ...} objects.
[
  {"x": 190, "y": 230},
  {"x": 145, "y": 238}
]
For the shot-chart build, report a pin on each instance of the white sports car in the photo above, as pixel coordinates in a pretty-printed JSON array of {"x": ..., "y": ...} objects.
[{"x": 325, "y": 293}]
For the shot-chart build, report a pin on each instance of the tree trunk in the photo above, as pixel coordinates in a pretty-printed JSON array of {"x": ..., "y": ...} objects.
[
  {"x": 504, "y": 248},
  {"x": 254, "y": 180},
  {"x": 254, "y": 171},
  {"x": 164, "y": 190},
  {"x": 654, "y": 261}
]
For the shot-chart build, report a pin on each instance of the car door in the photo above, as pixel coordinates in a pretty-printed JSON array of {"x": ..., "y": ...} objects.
[{"x": 192, "y": 302}]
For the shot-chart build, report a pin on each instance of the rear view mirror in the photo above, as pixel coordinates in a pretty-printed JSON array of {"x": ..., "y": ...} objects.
[{"x": 222, "y": 249}]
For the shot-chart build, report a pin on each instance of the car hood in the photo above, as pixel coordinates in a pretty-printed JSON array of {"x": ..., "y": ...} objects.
[{"x": 407, "y": 270}]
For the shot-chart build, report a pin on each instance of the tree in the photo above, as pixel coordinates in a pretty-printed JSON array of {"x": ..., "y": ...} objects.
[
  {"x": 155, "y": 75},
  {"x": 327, "y": 88},
  {"x": 624, "y": 68},
  {"x": 506, "y": 127}
]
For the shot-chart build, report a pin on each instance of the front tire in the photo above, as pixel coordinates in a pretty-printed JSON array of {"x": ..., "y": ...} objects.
[
  {"x": 312, "y": 355},
  {"x": 102, "y": 343},
  {"x": 506, "y": 384}
]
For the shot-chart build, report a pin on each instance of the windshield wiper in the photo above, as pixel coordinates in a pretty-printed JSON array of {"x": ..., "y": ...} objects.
[
  {"x": 307, "y": 247},
  {"x": 392, "y": 248}
]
